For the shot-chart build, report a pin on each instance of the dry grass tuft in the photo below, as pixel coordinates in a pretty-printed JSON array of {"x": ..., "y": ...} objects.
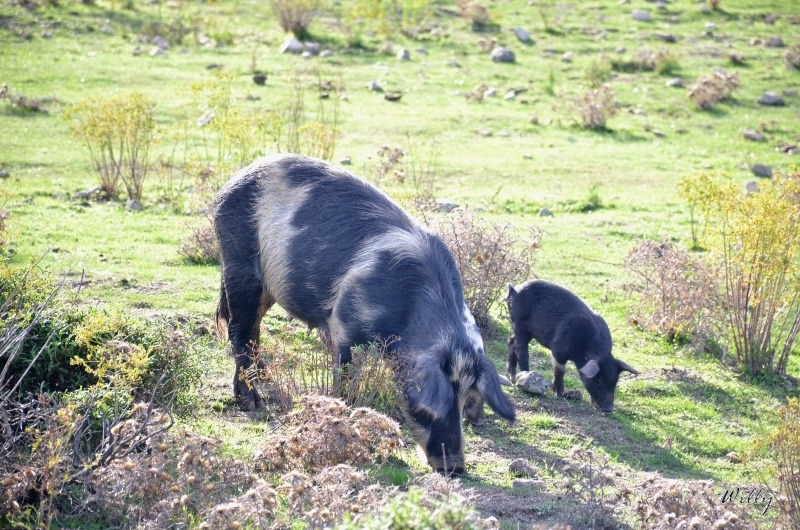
[
  {"x": 596, "y": 107},
  {"x": 325, "y": 432},
  {"x": 711, "y": 89},
  {"x": 201, "y": 246}
]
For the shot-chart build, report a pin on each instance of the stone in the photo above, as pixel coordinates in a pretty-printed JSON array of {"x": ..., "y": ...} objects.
[
  {"x": 490, "y": 92},
  {"x": 754, "y": 136},
  {"x": 503, "y": 55},
  {"x": 325, "y": 53},
  {"x": 205, "y": 119},
  {"x": 527, "y": 483},
  {"x": 85, "y": 194},
  {"x": 620, "y": 49},
  {"x": 503, "y": 133},
  {"x": 761, "y": 170},
  {"x": 374, "y": 86},
  {"x": 137, "y": 51},
  {"x": 545, "y": 212},
  {"x": 659, "y": 134},
  {"x": 522, "y": 468},
  {"x": 675, "y": 82},
  {"x": 532, "y": 383},
  {"x": 522, "y": 34},
  {"x": 260, "y": 79},
  {"x": 422, "y": 50},
  {"x": 667, "y": 37},
  {"x": 161, "y": 42},
  {"x": 291, "y": 45},
  {"x": 751, "y": 187},
  {"x": 453, "y": 64},
  {"x": 445, "y": 206},
  {"x": 156, "y": 51},
  {"x": 4, "y": 174},
  {"x": 775, "y": 42},
  {"x": 134, "y": 205},
  {"x": 306, "y": 55},
  {"x": 312, "y": 47},
  {"x": 346, "y": 161},
  {"x": 642, "y": 16},
  {"x": 393, "y": 95},
  {"x": 771, "y": 99},
  {"x": 404, "y": 55},
  {"x": 733, "y": 457},
  {"x": 59, "y": 196},
  {"x": 510, "y": 95},
  {"x": 567, "y": 57},
  {"x": 791, "y": 92},
  {"x": 387, "y": 49},
  {"x": 528, "y": 156}
]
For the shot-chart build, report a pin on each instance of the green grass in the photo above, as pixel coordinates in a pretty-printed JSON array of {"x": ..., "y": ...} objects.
[{"x": 607, "y": 189}]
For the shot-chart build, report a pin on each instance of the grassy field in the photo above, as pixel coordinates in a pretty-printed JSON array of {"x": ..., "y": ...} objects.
[{"x": 681, "y": 418}]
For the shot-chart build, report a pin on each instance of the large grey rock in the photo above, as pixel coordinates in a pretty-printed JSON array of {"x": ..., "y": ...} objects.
[
  {"x": 445, "y": 206},
  {"x": 404, "y": 55},
  {"x": 545, "y": 212},
  {"x": 761, "y": 170},
  {"x": 771, "y": 99},
  {"x": 751, "y": 187},
  {"x": 775, "y": 42},
  {"x": 374, "y": 86},
  {"x": 503, "y": 55},
  {"x": 291, "y": 45},
  {"x": 532, "y": 383},
  {"x": 134, "y": 205},
  {"x": 642, "y": 16},
  {"x": 522, "y": 34},
  {"x": 312, "y": 47},
  {"x": 522, "y": 468},
  {"x": 161, "y": 42},
  {"x": 675, "y": 82},
  {"x": 754, "y": 136}
]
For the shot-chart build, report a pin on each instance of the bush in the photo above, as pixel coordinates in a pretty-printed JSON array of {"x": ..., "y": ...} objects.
[
  {"x": 118, "y": 131},
  {"x": 662, "y": 62},
  {"x": 678, "y": 294},
  {"x": 589, "y": 203},
  {"x": 711, "y": 89},
  {"x": 296, "y": 16},
  {"x": 667, "y": 503},
  {"x": 755, "y": 239},
  {"x": 201, "y": 247},
  {"x": 475, "y": 13},
  {"x": 489, "y": 256},
  {"x": 589, "y": 478},
  {"x": 323, "y": 432},
  {"x": 785, "y": 444},
  {"x": 384, "y": 16},
  {"x": 596, "y": 107}
]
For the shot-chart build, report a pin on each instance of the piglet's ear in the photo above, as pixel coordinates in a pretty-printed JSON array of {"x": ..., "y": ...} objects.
[
  {"x": 590, "y": 369},
  {"x": 512, "y": 291},
  {"x": 625, "y": 367},
  {"x": 429, "y": 390},
  {"x": 488, "y": 383}
]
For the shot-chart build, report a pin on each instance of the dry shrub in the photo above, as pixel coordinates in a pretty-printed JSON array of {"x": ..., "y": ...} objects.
[
  {"x": 677, "y": 292},
  {"x": 792, "y": 58},
  {"x": 325, "y": 432},
  {"x": 596, "y": 107},
  {"x": 201, "y": 246},
  {"x": 711, "y": 89},
  {"x": 785, "y": 444},
  {"x": 474, "y": 12},
  {"x": 665, "y": 504},
  {"x": 296, "y": 16},
  {"x": 489, "y": 256},
  {"x": 589, "y": 478},
  {"x": 662, "y": 62},
  {"x": 178, "y": 479},
  {"x": 372, "y": 379},
  {"x": 714, "y": 4}
]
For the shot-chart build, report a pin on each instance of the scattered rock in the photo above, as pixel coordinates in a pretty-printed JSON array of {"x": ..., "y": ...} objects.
[
  {"x": 761, "y": 170},
  {"x": 394, "y": 95},
  {"x": 306, "y": 55},
  {"x": 510, "y": 95},
  {"x": 503, "y": 133},
  {"x": 769, "y": 19},
  {"x": 387, "y": 49},
  {"x": 137, "y": 51},
  {"x": 486, "y": 133},
  {"x": 291, "y": 45},
  {"x": 527, "y": 483},
  {"x": 134, "y": 205},
  {"x": 490, "y": 92},
  {"x": 205, "y": 119},
  {"x": 642, "y": 16},
  {"x": 260, "y": 79},
  {"x": 445, "y": 206},
  {"x": 620, "y": 49},
  {"x": 532, "y": 383},
  {"x": 59, "y": 196},
  {"x": 4, "y": 174},
  {"x": 47, "y": 35},
  {"x": 528, "y": 156},
  {"x": 567, "y": 57},
  {"x": 659, "y": 134},
  {"x": 573, "y": 395},
  {"x": 214, "y": 66},
  {"x": 85, "y": 194},
  {"x": 422, "y": 50},
  {"x": 325, "y": 53},
  {"x": 737, "y": 58},
  {"x": 156, "y": 51},
  {"x": 312, "y": 47},
  {"x": 754, "y": 136},
  {"x": 775, "y": 42},
  {"x": 545, "y": 212},
  {"x": 751, "y": 187},
  {"x": 204, "y": 40},
  {"x": 771, "y": 99},
  {"x": 733, "y": 457},
  {"x": 522, "y": 468},
  {"x": 503, "y": 55},
  {"x": 675, "y": 82},
  {"x": 161, "y": 42},
  {"x": 522, "y": 35},
  {"x": 346, "y": 161},
  {"x": 791, "y": 92},
  {"x": 374, "y": 86},
  {"x": 454, "y": 64},
  {"x": 667, "y": 37},
  {"x": 404, "y": 55}
]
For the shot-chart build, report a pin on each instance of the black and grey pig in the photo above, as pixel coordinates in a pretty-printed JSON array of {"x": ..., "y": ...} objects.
[
  {"x": 341, "y": 256},
  {"x": 560, "y": 321}
]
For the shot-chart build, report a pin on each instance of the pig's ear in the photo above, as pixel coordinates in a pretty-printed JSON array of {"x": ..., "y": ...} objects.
[
  {"x": 488, "y": 383},
  {"x": 625, "y": 367},
  {"x": 590, "y": 369},
  {"x": 512, "y": 291},
  {"x": 429, "y": 390}
]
